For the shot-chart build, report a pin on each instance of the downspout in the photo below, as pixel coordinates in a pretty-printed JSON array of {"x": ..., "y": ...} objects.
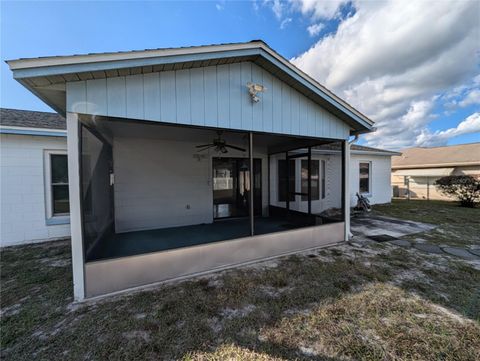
[{"x": 348, "y": 233}]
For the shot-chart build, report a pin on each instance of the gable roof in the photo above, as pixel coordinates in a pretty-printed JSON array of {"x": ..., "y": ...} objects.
[
  {"x": 46, "y": 76},
  {"x": 31, "y": 119},
  {"x": 453, "y": 155}
]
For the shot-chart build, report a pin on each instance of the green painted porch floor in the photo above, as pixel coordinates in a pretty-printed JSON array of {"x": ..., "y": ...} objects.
[{"x": 139, "y": 242}]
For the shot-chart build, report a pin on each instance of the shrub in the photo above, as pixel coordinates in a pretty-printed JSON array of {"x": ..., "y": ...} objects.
[{"x": 464, "y": 188}]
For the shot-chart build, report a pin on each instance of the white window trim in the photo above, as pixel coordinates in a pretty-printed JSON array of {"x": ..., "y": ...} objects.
[
  {"x": 369, "y": 193},
  {"x": 52, "y": 219}
]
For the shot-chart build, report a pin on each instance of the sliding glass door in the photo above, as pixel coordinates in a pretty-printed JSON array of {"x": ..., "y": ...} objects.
[{"x": 231, "y": 187}]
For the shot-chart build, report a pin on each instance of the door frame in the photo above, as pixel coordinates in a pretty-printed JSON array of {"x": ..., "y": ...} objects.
[{"x": 261, "y": 186}]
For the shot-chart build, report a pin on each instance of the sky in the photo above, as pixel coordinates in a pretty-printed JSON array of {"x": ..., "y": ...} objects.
[{"x": 411, "y": 66}]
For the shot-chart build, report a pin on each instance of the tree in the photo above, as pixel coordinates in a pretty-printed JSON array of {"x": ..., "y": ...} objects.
[{"x": 464, "y": 188}]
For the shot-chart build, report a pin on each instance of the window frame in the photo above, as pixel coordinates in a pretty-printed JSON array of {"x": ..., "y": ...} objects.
[
  {"x": 319, "y": 186},
  {"x": 51, "y": 217},
  {"x": 369, "y": 192}
]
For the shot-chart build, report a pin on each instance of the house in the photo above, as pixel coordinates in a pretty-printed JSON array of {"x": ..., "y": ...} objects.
[
  {"x": 33, "y": 152},
  {"x": 34, "y": 192},
  {"x": 180, "y": 160},
  {"x": 415, "y": 171}
]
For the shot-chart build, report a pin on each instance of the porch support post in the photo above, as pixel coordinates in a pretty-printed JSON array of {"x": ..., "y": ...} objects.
[
  {"x": 250, "y": 154},
  {"x": 346, "y": 187},
  {"x": 78, "y": 262},
  {"x": 309, "y": 180},
  {"x": 287, "y": 185}
]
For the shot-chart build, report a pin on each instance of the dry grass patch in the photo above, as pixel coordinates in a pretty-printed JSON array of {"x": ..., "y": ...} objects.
[{"x": 382, "y": 322}]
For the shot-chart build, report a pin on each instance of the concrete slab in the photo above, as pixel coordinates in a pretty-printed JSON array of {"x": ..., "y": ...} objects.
[
  {"x": 429, "y": 248},
  {"x": 401, "y": 243},
  {"x": 476, "y": 252},
  {"x": 460, "y": 252},
  {"x": 373, "y": 225}
]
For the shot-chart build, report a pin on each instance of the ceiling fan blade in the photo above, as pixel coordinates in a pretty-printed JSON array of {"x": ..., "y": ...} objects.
[
  {"x": 233, "y": 147},
  {"x": 204, "y": 145}
]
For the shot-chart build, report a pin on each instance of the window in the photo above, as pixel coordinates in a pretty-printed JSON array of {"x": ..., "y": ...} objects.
[
  {"x": 56, "y": 171},
  {"x": 364, "y": 185},
  {"x": 324, "y": 172},
  {"x": 315, "y": 179},
  {"x": 282, "y": 180}
]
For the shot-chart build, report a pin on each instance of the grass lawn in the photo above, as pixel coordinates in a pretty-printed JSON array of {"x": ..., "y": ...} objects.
[
  {"x": 457, "y": 226},
  {"x": 348, "y": 302}
]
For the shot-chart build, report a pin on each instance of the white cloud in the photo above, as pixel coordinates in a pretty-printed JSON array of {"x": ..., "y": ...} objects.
[
  {"x": 470, "y": 125},
  {"x": 472, "y": 97},
  {"x": 285, "y": 22},
  {"x": 391, "y": 61},
  {"x": 315, "y": 29},
  {"x": 319, "y": 9},
  {"x": 276, "y": 6}
]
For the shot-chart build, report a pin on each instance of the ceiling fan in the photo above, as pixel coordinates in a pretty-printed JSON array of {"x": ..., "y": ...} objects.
[{"x": 219, "y": 144}]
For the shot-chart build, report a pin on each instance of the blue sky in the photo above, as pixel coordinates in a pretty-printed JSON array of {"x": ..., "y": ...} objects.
[{"x": 419, "y": 90}]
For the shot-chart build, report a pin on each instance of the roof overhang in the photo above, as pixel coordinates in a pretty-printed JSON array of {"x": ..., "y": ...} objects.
[
  {"x": 429, "y": 172},
  {"x": 46, "y": 77}
]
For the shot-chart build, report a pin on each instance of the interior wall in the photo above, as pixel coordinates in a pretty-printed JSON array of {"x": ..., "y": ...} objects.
[{"x": 160, "y": 183}]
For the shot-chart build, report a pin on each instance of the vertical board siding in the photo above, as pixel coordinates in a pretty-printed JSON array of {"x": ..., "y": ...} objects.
[
  {"x": 215, "y": 96},
  {"x": 168, "y": 108},
  {"x": 182, "y": 86},
  {"x": 277, "y": 105},
  {"x": 246, "y": 108},
  {"x": 267, "y": 102},
  {"x": 211, "y": 96},
  {"x": 257, "y": 110},
  {"x": 235, "y": 96},
  {"x": 116, "y": 97},
  {"x": 223, "y": 92},
  {"x": 77, "y": 97},
  {"x": 197, "y": 96},
  {"x": 97, "y": 96},
  {"x": 151, "y": 90},
  {"x": 134, "y": 85}
]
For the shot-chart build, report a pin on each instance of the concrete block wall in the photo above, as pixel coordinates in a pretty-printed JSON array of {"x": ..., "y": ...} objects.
[{"x": 22, "y": 185}]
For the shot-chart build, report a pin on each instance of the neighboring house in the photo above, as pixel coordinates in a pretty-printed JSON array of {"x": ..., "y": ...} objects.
[
  {"x": 34, "y": 182},
  {"x": 175, "y": 159},
  {"x": 34, "y": 177},
  {"x": 415, "y": 171}
]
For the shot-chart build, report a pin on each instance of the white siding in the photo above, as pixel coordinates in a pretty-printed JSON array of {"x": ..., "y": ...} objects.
[
  {"x": 380, "y": 173},
  {"x": 23, "y": 208},
  {"x": 210, "y": 96}
]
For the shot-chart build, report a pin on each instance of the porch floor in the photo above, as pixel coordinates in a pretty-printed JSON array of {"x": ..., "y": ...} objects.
[{"x": 140, "y": 242}]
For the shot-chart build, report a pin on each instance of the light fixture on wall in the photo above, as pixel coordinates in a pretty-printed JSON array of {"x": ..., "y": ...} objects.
[{"x": 254, "y": 89}]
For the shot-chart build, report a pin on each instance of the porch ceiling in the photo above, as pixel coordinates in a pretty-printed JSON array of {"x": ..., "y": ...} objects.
[
  {"x": 46, "y": 77},
  {"x": 114, "y": 127}
]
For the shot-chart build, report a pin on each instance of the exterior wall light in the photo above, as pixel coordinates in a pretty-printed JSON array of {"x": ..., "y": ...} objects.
[{"x": 254, "y": 89}]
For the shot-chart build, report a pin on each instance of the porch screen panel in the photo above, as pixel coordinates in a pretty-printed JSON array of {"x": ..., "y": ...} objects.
[{"x": 97, "y": 195}]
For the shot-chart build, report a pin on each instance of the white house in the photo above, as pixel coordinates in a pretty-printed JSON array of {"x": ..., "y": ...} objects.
[
  {"x": 33, "y": 163},
  {"x": 183, "y": 161},
  {"x": 33, "y": 151}
]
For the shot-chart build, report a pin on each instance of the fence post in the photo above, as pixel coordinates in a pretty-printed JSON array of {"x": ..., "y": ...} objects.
[
  {"x": 408, "y": 187},
  {"x": 428, "y": 188}
]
